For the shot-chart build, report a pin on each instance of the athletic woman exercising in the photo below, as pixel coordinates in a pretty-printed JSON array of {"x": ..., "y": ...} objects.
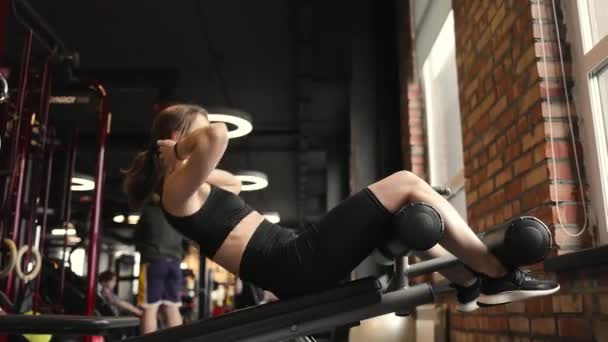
[{"x": 202, "y": 203}]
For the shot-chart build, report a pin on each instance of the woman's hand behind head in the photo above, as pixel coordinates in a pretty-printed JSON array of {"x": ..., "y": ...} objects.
[{"x": 167, "y": 152}]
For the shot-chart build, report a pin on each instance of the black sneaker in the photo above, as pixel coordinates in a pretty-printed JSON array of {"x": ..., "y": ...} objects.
[
  {"x": 467, "y": 296},
  {"x": 515, "y": 285}
]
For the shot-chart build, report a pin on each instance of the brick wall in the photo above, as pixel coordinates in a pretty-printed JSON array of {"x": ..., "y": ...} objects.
[{"x": 503, "y": 84}]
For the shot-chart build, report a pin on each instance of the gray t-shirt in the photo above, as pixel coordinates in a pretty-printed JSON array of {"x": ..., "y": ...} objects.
[{"x": 155, "y": 238}]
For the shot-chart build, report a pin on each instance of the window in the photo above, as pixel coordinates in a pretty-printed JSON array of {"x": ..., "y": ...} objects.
[
  {"x": 439, "y": 75},
  {"x": 587, "y": 23}
]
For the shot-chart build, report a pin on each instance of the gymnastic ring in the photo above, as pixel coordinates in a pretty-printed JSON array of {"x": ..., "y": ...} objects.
[
  {"x": 4, "y": 91},
  {"x": 37, "y": 264},
  {"x": 12, "y": 254}
]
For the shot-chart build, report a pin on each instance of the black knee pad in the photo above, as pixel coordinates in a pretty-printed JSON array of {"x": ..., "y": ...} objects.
[
  {"x": 419, "y": 226},
  {"x": 522, "y": 241},
  {"x": 416, "y": 227}
]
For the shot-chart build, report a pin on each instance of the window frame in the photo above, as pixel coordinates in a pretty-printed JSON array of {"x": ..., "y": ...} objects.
[
  {"x": 455, "y": 182},
  {"x": 587, "y": 60}
]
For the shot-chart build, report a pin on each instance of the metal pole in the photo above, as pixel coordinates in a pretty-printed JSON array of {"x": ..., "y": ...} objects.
[
  {"x": 19, "y": 157},
  {"x": 67, "y": 212},
  {"x": 43, "y": 226},
  {"x": 93, "y": 256},
  {"x": 37, "y": 172}
]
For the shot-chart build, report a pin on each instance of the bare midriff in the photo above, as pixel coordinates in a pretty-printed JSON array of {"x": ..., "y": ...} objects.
[{"x": 231, "y": 251}]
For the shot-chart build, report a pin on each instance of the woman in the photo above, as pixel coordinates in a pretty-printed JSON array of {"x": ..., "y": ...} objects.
[{"x": 202, "y": 203}]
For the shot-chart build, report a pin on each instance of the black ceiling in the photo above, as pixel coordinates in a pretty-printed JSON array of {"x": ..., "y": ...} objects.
[{"x": 287, "y": 63}]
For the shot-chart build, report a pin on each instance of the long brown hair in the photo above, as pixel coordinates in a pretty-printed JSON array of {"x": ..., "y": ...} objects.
[{"x": 144, "y": 177}]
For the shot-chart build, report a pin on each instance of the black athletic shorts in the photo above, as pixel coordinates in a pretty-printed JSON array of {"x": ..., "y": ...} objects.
[{"x": 322, "y": 255}]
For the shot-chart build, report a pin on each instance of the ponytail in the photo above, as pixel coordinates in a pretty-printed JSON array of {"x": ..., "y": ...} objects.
[{"x": 142, "y": 178}]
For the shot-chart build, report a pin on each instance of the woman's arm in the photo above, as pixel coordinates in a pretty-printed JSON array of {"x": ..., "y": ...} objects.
[
  {"x": 225, "y": 180},
  {"x": 203, "y": 148}
]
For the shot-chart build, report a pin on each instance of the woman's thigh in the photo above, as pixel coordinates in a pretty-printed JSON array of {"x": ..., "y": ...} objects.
[{"x": 327, "y": 252}]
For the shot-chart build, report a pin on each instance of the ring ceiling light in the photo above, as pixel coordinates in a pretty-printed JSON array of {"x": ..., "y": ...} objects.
[
  {"x": 82, "y": 182},
  {"x": 233, "y": 117},
  {"x": 273, "y": 217},
  {"x": 252, "y": 180}
]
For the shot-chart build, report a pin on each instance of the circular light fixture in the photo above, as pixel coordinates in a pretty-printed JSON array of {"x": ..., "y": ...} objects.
[
  {"x": 239, "y": 122},
  {"x": 119, "y": 218},
  {"x": 273, "y": 217},
  {"x": 133, "y": 219},
  {"x": 82, "y": 182},
  {"x": 63, "y": 231},
  {"x": 130, "y": 219},
  {"x": 252, "y": 180}
]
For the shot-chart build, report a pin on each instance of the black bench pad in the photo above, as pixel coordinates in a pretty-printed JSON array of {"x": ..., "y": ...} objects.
[
  {"x": 269, "y": 317},
  {"x": 63, "y": 324}
]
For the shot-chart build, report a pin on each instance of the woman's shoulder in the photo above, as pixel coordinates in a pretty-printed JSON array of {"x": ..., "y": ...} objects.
[{"x": 174, "y": 204}]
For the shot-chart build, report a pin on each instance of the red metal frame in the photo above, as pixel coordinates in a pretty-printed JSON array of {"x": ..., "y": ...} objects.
[
  {"x": 20, "y": 150},
  {"x": 93, "y": 253},
  {"x": 4, "y": 12},
  {"x": 44, "y": 224},
  {"x": 45, "y": 86}
]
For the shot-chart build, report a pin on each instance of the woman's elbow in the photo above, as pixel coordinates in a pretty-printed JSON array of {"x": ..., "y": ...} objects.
[
  {"x": 237, "y": 186},
  {"x": 218, "y": 132}
]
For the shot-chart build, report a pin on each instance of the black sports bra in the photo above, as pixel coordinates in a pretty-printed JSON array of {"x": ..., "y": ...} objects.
[{"x": 212, "y": 223}]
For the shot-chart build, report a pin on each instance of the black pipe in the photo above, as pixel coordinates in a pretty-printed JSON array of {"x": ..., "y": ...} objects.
[{"x": 44, "y": 27}]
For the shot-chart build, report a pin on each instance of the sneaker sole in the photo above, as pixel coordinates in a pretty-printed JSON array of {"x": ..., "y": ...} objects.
[
  {"x": 467, "y": 307},
  {"x": 512, "y": 296}
]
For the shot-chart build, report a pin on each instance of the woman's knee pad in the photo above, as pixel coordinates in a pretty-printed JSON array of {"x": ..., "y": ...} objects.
[{"x": 419, "y": 226}]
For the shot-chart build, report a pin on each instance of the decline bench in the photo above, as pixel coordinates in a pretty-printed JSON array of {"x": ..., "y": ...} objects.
[{"x": 521, "y": 241}]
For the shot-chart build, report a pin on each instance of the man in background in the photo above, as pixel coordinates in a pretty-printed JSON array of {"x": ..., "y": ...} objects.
[{"x": 160, "y": 278}]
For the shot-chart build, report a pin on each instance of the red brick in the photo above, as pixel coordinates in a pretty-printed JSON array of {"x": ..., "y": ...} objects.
[
  {"x": 486, "y": 188},
  {"x": 526, "y": 59},
  {"x": 572, "y": 303},
  {"x": 523, "y": 163},
  {"x": 531, "y": 139},
  {"x": 572, "y": 239},
  {"x": 562, "y": 170},
  {"x": 600, "y": 329},
  {"x": 519, "y": 325},
  {"x": 529, "y": 98},
  {"x": 556, "y": 110},
  {"x": 499, "y": 107},
  {"x": 548, "y": 49},
  {"x": 548, "y": 31},
  {"x": 540, "y": 305},
  {"x": 498, "y": 17},
  {"x": 535, "y": 176},
  {"x": 564, "y": 192},
  {"x": 507, "y": 24},
  {"x": 512, "y": 151},
  {"x": 552, "y": 89},
  {"x": 541, "y": 11},
  {"x": 471, "y": 87},
  {"x": 516, "y": 307},
  {"x": 514, "y": 190},
  {"x": 497, "y": 323},
  {"x": 501, "y": 49},
  {"x": 574, "y": 327},
  {"x": 494, "y": 166},
  {"x": 557, "y": 129},
  {"x": 504, "y": 176},
  {"x": 543, "y": 326},
  {"x": 602, "y": 303},
  {"x": 553, "y": 70}
]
